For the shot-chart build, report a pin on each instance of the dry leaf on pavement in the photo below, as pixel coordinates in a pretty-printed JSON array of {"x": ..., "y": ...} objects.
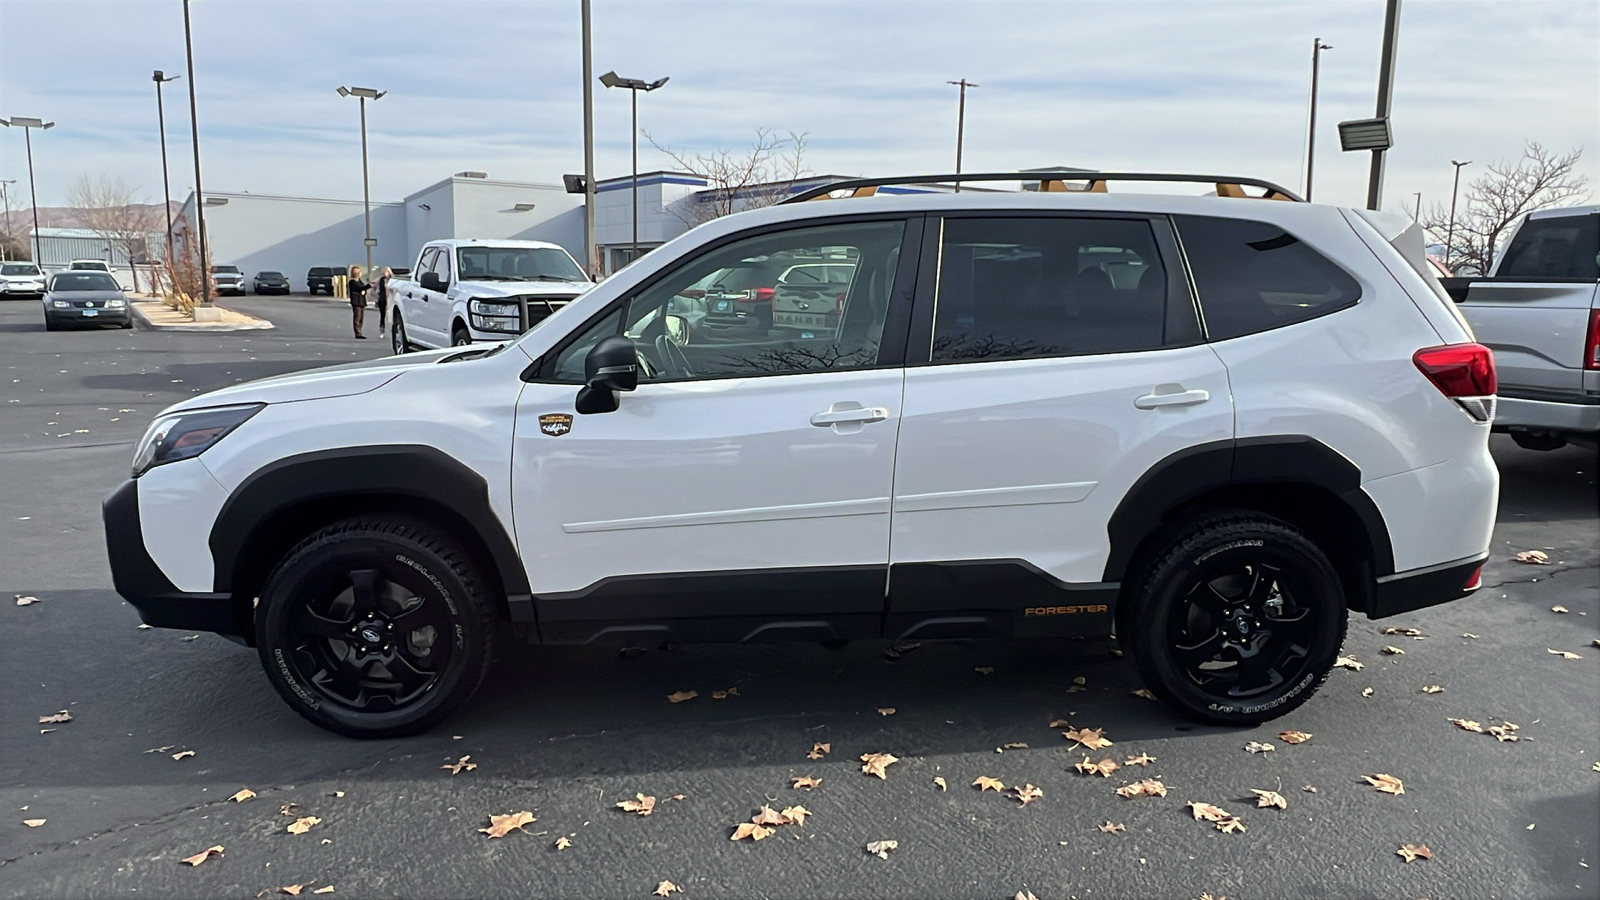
[
  {"x": 1348, "y": 662},
  {"x": 1432, "y": 689},
  {"x": 1025, "y": 894},
  {"x": 325, "y": 889},
  {"x": 819, "y": 750},
  {"x": 875, "y": 763},
  {"x": 1564, "y": 654},
  {"x": 665, "y": 888},
  {"x": 1505, "y": 731},
  {"x": 1090, "y": 738},
  {"x": 885, "y": 710},
  {"x": 803, "y": 781},
  {"x": 1113, "y": 827},
  {"x": 939, "y": 780},
  {"x": 203, "y": 855},
  {"x": 795, "y": 815},
  {"x": 723, "y": 695},
  {"x": 1309, "y": 788},
  {"x": 1260, "y": 747},
  {"x": 680, "y": 696},
  {"x": 1265, "y": 799},
  {"x": 562, "y": 843},
  {"x": 303, "y": 824},
  {"x": 984, "y": 670},
  {"x": 1146, "y": 788},
  {"x": 182, "y": 754},
  {"x": 242, "y": 796},
  {"x": 1558, "y": 608},
  {"x": 1533, "y": 557},
  {"x": 1394, "y": 651},
  {"x": 881, "y": 849},
  {"x": 1294, "y": 737},
  {"x": 34, "y": 823},
  {"x": 1385, "y": 783},
  {"x": 640, "y": 804},
  {"x": 25, "y": 601},
  {"x": 1366, "y": 692},
  {"x": 1467, "y": 725},
  {"x": 1408, "y": 632},
  {"x": 1103, "y": 768},
  {"x": 1014, "y": 745},
  {"x": 1408, "y": 852},
  {"x": 56, "y": 719},
  {"x": 1207, "y": 811},
  {"x": 985, "y": 783},
  {"x": 750, "y": 830},
  {"x": 460, "y": 765},
  {"x": 1026, "y": 794},
  {"x": 1230, "y": 825},
  {"x": 769, "y": 816},
  {"x": 500, "y": 826},
  {"x": 1143, "y": 759},
  {"x": 1060, "y": 723},
  {"x": 1145, "y": 693}
]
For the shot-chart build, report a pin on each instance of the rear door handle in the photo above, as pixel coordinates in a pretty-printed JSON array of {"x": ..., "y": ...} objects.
[
  {"x": 1172, "y": 395},
  {"x": 849, "y": 414}
]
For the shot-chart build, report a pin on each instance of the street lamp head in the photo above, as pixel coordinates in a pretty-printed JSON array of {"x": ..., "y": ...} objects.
[
  {"x": 655, "y": 84},
  {"x": 611, "y": 80},
  {"x": 25, "y": 122},
  {"x": 160, "y": 77},
  {"x": 344, "y": 91},
  {"x": 1467, "y": 162},
  {"x": 363, "y": 93}
]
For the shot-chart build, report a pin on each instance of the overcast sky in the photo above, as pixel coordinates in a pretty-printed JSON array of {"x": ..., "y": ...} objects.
[{"x": 495, "y": 85}]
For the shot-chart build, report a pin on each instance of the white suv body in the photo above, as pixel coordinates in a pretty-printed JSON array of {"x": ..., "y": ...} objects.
[
  {"x": 465, "y": 291},
  {"x": 1025, "y": 424},
  {"x": 21, "y": 279}
]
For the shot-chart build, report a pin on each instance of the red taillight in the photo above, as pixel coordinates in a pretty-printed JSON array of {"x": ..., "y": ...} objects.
[
  {"x": 1474, "y": 581},
  {"x": 1458, "y": 370},
  {"x": 1591, "y": 346},
  {"x": 764, "y": 295}
]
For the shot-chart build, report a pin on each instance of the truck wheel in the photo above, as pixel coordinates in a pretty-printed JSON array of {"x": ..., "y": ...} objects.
[
  {"x": 1238, "y": 621},
  {"x": 459, "y": 337},
  {"x": 1538, "y": 440},
  {"x": 397, "y": 335},
  {"x": 375, "y": 627}
]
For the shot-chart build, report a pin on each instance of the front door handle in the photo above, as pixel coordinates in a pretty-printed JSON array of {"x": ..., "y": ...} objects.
[
  {"x": 849, "y": 413},
  {"x": 1171, "y": 395}
]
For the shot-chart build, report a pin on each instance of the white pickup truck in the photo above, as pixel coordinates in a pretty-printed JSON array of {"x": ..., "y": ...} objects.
[{"x": 466, "y": 290}]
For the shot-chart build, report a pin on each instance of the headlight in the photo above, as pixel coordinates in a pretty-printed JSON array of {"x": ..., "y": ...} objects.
[
  {"x": 486, "y": 308},
  {"x": 61, "y": 304},
  {"x": 114, "y": 304},
  {"x": 188, "y": 434}
]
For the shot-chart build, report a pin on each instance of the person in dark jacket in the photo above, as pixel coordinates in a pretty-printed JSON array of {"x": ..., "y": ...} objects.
[
  {"x": 382, "y": 300},
  {"x": 358, "y": 300}
]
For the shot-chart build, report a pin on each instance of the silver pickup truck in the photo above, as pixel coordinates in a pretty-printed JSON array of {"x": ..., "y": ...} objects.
[{"x": 1539, "y": 311}]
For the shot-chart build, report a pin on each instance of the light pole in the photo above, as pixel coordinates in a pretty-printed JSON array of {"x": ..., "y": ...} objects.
[
  {"x": 194, "y": 134},
  {"x": 961, "y": 122},
  {"x": 27, "y": 125},
  {"x": 1450, "y": 231},
  {"x": 590, "y": 264},
  {"x": 634, "y": 86},
  {"x": 1317, "y": 46},
  {"x": 6, "y": 197},
  {"x": 161, "y": 78},
  {"x": 1416, "y": 213},
  {"x": 1391, "y": 38},
  {"x": 364, "y": 94}
]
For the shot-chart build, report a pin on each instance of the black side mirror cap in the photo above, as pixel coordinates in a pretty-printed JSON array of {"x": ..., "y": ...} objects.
[
  {"x": 611, "y": 366},
  {"x": 432, "y": 282}
]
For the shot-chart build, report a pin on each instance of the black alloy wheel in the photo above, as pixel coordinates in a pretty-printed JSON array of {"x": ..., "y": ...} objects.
[
  {"x": 375, "y": 627},
  {"x": 397, "y": 336},
  {"x": 1239, "y": 620}
]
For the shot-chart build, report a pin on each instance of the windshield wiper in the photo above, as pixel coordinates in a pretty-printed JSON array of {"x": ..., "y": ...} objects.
[{"x": 549, "y": 278}]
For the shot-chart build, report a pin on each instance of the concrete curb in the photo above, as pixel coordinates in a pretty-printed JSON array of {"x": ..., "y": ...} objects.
[{"x": 154, "y": 315}]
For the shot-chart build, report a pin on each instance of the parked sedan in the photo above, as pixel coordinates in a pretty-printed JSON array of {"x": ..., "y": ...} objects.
[
  {"x": 92, "y": 298},
  {"x": 271, "y": 283},
  {"x": 21, "y": 279}
]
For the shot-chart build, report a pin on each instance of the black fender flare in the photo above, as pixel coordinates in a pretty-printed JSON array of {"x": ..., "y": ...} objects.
[
  {"x": 357, "y": 474},
  {"x": 1257, "y": 461}
]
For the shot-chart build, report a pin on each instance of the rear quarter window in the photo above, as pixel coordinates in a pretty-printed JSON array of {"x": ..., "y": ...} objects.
[
  {"x": 1254, "y": 276},
  {"x": 1566, "y": 247}
]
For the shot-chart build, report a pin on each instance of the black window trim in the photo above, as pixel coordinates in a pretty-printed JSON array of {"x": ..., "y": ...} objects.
[
  {"x": 1182, "y": 300},
  {"x": 897, "y": 320}
]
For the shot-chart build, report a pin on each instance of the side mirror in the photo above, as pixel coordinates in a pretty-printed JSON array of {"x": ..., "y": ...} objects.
[
  {"x": 611, "y": 366},
  {"x": 430, "y": 281}
]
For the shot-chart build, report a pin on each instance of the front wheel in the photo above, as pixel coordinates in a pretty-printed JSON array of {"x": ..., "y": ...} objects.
[
  {"x": 375, "y": 627},
  {"x": 1239, "y": 620},
  {"x": 460, "y": 337},
  {"x": 397, "y": 336}
]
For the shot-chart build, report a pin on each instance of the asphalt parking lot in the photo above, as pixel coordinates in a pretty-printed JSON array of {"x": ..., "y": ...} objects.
[{"x": 567, "y": 733}]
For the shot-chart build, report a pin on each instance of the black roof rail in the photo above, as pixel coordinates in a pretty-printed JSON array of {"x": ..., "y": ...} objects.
[{"x": 1054, "y": 181}]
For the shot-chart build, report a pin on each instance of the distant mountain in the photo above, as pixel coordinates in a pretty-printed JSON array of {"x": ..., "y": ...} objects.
[{"x": 64, "y": 216}]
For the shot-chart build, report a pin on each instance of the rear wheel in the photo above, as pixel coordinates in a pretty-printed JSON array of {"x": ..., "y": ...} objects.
[
  {"x": 375, "y": 627},
  {"x": 397, "y": 335},
  {"x": 1239, "y": 620}
]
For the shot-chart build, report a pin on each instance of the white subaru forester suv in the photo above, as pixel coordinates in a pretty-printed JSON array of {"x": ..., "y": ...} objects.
[{"x": 1211, "y": 425}]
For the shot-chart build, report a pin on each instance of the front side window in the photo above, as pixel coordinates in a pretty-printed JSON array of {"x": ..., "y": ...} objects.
[
  {"x": 1253, "y": 276},
  {"x": 730, "y": 313},
  {"x": 1560, "y": 247},
  {"x": 1028, "y": 287}
]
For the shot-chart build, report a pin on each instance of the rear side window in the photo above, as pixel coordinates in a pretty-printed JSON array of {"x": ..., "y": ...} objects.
[
  {"x": 1253, "y": 276},
  {"x": 1560, "y": 247},
  {"x": 1011, "y": 288}
]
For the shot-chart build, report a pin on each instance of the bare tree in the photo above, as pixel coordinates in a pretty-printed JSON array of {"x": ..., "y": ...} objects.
[
  {"x": 109, "y": 207},
  {"x": 1538, "y": 180},
  {"x": 760, "y": 175}
]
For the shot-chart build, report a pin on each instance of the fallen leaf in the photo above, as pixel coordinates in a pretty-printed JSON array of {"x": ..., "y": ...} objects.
[
  {"x": 1076, "y": 688},
  {"x": 1230, "y": 825},
  {"x": 1467, "y": 725},
  {"x": 875, "y": 763},
  {"x": 1146, "y": 788},
  {"x": 1432, "y": 689},
  {"x": 500, "y": 826},
  {"x": 1533, "y": 557},
  {"x": 1366, "y": 692},
  {"x": 325, "y": 889},
  {"x": 1408, "y": 632},
  {"x": 796, "y": 815},
  {"x": 303, "y": 824},
  {"x": 681, "y": 696},
  {"x": 1394, "y": 651},
  {"x": 939, "y": 780},
  {"x": 1561, "y": 653},
  {"x": 769, "y": 816},
  {"x": 1015, "y": 745},
  {"x": 641, "y": 804},
  {"x": 1559, "y": 609},
  {"x": 1103, "y": 768},
  {"x": 1260, "y": 747},
  {"x": 899, "y": 650},
  {"x": 1386, "y": 783},
  {"x": 460, "y": 765},
  {"x": 562, "y": 842},
  {"x": 1294, "y": 737},
  {"x": 1060, "y": 723},
  {"x": 1269, "y": 798},
  {"x": 1505, "y": 731},
  {"x": 1409, "y": 852},
  {"x": 242, "y": 796},
  {"x": 1080, "y": 680},
  {"x": 192, "y": 637},
  {"x": 719, "y": 695},
  {"x": 1113, "y": 827},
  {"x": 56, "y": 719},
  {"x": 665, "y": 888},
  {"x": 1143, "y": 759},
  {"x": 1027, "y": 794},
  {"x": 1597, "y": 767},
  {"x": 1348, "y": 662},
  {"x": 885, "y": 710},
  {"x": 881, "y": 849},
  {"x": 803, "y": 781},
  {"x": 25, "y": 600},
  {"x": 203, "y": 855},
  {"x": 1090, "y": 738},
  {"x": 819, "y": 750},
  {"x": 1145, "y": 693},
  {"x": 46, "y": 730},
  {"x": 1468, "y": 634},
  {"x": 750, "y": 830},
  {"x": 985, "y": 783},
  {"x": 1025, "y": 894},
  {"x": 182, "y": 754},
  {"x": 1309, "y": 788},
  {"x": 1207, "y": 811},
  {"x": 34, "y": 823},
  {"x": 338, "y": 793},
  {"x": 984, "y": 670}
]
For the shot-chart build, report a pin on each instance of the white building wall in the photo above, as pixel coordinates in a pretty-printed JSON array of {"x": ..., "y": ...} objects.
[
  {"x": 430, "y": 216},
  {"x": 292, "y": 234},
  {"x": 487, "y": 209}
]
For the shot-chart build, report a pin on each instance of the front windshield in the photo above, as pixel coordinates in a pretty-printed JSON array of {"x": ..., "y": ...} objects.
[
  {"x": 87, "y": 281},
  {"x": 91, "y": 265},
  {"x": 270, "y": 275},
  {"x": 225, "y": 269},
  {"x": 19, "y": 270},
  {"x": 516, "y": 264}
]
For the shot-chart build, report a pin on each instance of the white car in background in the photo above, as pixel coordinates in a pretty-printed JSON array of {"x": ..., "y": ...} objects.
[
  {"x": 21, "y": 280},
  {"x": 467, "y": 291}
]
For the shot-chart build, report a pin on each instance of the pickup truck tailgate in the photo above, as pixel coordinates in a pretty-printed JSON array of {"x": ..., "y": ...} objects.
[{"x": 1536, "y": 330}]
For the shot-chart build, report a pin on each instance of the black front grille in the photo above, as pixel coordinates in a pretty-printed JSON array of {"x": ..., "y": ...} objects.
[{"x": 536, "y": 309}]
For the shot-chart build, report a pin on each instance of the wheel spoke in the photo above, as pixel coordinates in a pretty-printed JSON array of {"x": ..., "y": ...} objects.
[
  {"x": 1258, "y": 668},
  {"x": 1190, "y": 657},
  {"x": 364, "y": 591},
  {"x": 1263, "y": 578},
  {"x": 409, "y": 677},
  {"x": 320, "y": 626}
]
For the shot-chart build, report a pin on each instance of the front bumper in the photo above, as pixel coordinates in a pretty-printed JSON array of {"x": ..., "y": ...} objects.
[
  {"x": 1430, "y": 586},
  {"x": 142, "y": 583},
  {"x": 1580, "y": 415}
]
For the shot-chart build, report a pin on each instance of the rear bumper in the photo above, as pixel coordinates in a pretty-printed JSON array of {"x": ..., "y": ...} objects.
[
  {"x": 1419, "y": 588},
  {"x": 142, "y": 583},
  {"x": 1582, "y": 414}
]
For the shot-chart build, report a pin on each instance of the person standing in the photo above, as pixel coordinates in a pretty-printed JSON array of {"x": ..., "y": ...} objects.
[
  {"x": 382, "y": 300},
  {"x": 358, "y": 300}
]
